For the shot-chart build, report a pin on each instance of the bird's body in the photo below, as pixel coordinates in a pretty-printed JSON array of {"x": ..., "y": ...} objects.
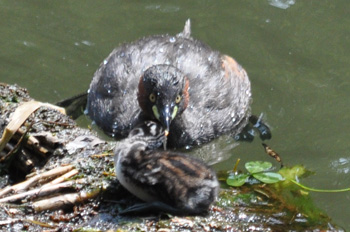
[
  {"x": 176, "y": 182},
  {"x": 218, "y": 89}
]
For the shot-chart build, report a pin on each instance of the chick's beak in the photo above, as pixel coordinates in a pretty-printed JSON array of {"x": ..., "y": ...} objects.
[
  {"x": 166, "y": 133},
  {"x": 165, "y": 139}
]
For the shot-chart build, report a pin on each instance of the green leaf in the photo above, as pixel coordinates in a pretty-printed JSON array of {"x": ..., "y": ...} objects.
[
  {"x": 294, "y": 172},
  {"x": 268, "y": 177},
  {"x": 257, "y": 166},
  {"x": 237, "y": 180}
]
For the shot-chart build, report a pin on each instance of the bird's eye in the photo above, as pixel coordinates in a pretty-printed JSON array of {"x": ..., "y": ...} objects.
[
  {"x": 152, "y": 97},
  {"x": 178, "y": 99}
]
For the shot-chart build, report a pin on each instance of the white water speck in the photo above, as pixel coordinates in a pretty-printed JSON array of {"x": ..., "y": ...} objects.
[
  {"x": 87, "y": 43},
  {"x": 163, "y": 8},
  {"x": 152, "y": 7},
  {"x": 28, "y": 44},
  {"x": 282, "y": 4}
]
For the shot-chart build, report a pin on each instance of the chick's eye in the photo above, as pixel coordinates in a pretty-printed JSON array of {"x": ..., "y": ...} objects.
[
  {"x": 177, "y": 99},
  {"x": 152, "y": 97}
]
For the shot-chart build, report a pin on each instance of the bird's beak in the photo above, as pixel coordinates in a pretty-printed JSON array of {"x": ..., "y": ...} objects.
[
  {"x": 166, "y": 115},
  {"x": 165, "y": 120},
  {"x": 165, "y": 139}
]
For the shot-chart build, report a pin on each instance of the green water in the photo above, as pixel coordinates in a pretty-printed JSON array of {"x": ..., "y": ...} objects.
[{"x": 298, "y": 60}]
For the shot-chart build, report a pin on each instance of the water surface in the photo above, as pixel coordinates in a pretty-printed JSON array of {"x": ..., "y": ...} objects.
[{"x": 296, "y": 53}]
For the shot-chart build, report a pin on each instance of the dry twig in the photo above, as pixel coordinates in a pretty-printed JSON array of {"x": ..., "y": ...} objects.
[
  {"x": 42, "y": 191},
  {"x": 63, "y": 200},
  {"x": 33, "y": 180}
]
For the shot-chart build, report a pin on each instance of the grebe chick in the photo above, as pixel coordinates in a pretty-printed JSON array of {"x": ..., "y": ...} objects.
[{"x": 168, "y": 182}]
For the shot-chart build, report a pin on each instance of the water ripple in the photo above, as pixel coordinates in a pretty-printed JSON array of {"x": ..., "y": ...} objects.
[{"x": 341, "y": 165}]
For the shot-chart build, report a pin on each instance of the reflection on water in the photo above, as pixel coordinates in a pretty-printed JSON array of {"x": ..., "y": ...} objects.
[
  {"x": 84, "y": 42},
  {"x": 297, "y": 58},
  {"x": 283, "y": 4},
  {"x": 342, "y": 165},
  {"x": 163, "y": 8},
  {"x": 217, "y": 151}
]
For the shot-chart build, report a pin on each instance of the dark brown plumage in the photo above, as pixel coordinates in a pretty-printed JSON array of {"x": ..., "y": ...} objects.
[{"x": 167, "y": 181}]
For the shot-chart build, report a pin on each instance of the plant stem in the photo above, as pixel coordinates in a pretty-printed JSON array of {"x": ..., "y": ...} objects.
[{"x": 319, "y": 190}]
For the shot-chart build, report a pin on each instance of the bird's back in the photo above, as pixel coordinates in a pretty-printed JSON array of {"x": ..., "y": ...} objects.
[{"x": 219, "y": 94}]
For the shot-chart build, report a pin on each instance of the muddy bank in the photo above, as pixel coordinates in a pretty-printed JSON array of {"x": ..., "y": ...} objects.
[{"x": 66, "y": 177}]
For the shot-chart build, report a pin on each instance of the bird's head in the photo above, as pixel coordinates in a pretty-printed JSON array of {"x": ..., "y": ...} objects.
[{"x": 163, "y": 93}]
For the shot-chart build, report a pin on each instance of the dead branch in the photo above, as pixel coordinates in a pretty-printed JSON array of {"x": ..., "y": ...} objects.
[
  {"x": 31, "y": 140},
  {"x": 17, "y": 144},
  {"x": 62, "y": 178},
  {"x": 63, "y": 200},
  {"x": 33, "y": 180},
  {"x": 32, "y": 143},
  {"x": 42, "y": 191},
  {"x": 47, "y": 139},
  {"x": 9, "y": 221},
  {"x": 12, "y": 221}
]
